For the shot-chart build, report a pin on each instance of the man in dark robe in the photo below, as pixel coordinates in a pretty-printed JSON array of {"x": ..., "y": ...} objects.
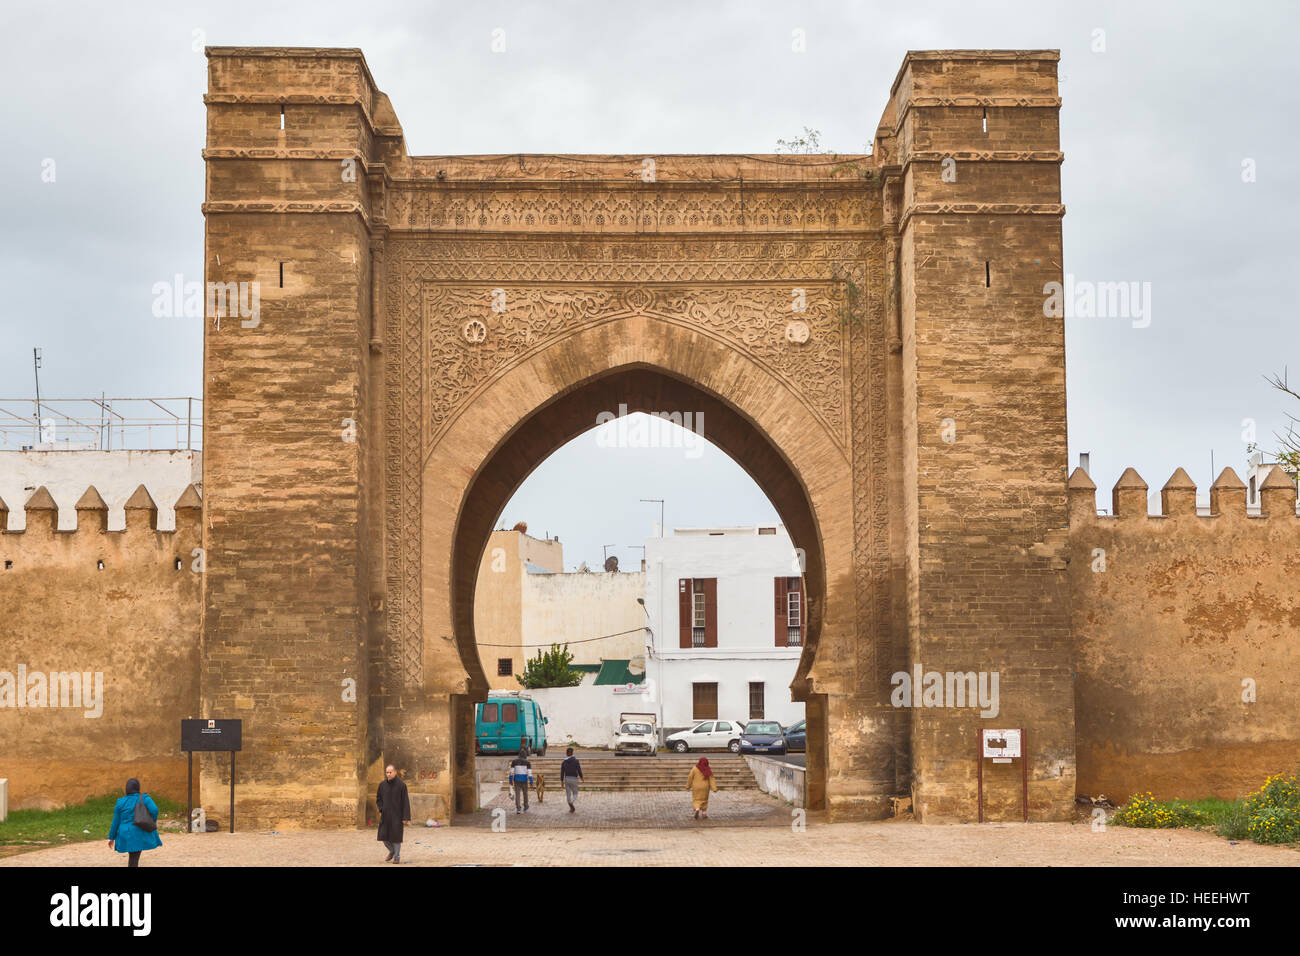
[{"x": 394, "y": 808}]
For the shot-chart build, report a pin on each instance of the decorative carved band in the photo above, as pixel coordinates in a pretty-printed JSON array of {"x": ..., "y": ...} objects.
[
  {"x": 980, "y": 209},
  {"x": 445, "y": 342},
  {"x": 971, "y": 100},
  {"x": 304, "y": 99},
  {"x": 285, "y": 206},
  {"x": 654, "y": 208},
  {"x": 273, "y": 152},
  {"x": 477, "y": 333},
  {"x": 986, "y": 156}
]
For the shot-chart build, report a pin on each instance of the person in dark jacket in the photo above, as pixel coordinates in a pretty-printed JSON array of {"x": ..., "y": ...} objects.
[
  {"x": 570, "y": 774},
  {"x": 394, "y": 807},
  {"x": 521, "y": 771},
  {"x": 124, "y": 836}
]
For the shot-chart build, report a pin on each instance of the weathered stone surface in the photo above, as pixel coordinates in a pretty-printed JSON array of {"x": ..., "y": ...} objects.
[
  {"x": 865, "y": 335},
  {"x": 470, "y": 314},
  {"x": 1186, "y": 636},
  {"x": 135, "y": 622}
]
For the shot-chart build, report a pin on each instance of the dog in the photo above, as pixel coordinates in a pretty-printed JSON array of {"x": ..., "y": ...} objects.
[{"x": 541, "y": 787}]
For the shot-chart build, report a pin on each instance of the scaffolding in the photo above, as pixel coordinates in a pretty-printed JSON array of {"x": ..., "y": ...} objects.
[{"x": 101, "y": 424}]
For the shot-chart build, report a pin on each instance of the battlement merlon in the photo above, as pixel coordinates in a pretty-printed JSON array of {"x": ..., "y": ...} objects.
[
  {"x": 42, "y": 515},
  {"x": 1277, "y": 494},
  {"x": 957, "y": 118}
]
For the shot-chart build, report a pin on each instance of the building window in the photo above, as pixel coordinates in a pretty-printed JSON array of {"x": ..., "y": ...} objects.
[
  {"x": 767, "y": 531},
  {"x": 793, "y": 618},
  {"x": 756, "y": 701},
  {"x": 505, "y": 667},
  {"x": 699, "y": 613},
  {"x": 704, "y": 701},
  {"x": 788, "y": 612}
]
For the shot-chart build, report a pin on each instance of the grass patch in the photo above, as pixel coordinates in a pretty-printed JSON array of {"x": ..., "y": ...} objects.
[
  {"x": 38, "y": 829},
  {"x": 1270, "y": 815}
]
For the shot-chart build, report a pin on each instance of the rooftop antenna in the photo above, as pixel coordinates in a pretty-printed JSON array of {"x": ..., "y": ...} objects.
[
  {"x": 607, "y": 547},
  {"x": 36, "y": 370},
  {"x": 661, "y": 512}
]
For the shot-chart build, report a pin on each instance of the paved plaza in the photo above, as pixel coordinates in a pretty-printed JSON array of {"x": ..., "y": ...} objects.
[{"x": 653, "y": 809}]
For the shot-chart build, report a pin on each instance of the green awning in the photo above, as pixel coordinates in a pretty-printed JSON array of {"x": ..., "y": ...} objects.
[{"x": 616, "y": 672}]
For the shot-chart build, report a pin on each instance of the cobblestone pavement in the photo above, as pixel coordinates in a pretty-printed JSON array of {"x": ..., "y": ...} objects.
[
  {"x": 653, "y": 809},
  {"x": 841, "y": 844}
]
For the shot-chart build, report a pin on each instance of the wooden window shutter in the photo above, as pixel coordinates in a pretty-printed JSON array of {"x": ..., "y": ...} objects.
[
  {"x": 704, "y": 701},
  {"x": 684, "y": 612},
  {"x": 711, "y": 612},
  {"x": 781, "y": 631}
]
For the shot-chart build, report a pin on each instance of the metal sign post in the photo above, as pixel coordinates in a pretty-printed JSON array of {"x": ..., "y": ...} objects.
[
  {"x": 1002, "y": 746},
  {"x": 208, "y": 735}
]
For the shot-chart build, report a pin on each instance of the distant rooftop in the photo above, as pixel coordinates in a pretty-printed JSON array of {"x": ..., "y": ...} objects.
[
  {"x": 101, "y": 424},
  {"x": 751, "y": 529}
]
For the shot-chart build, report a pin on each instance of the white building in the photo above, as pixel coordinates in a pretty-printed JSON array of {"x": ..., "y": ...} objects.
[
  {"x": 727, "y": 613},
  {"x": 115, "y": 474}
]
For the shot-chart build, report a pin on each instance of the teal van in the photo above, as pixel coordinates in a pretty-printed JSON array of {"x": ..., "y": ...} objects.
[{"x": 504, "y": 723}]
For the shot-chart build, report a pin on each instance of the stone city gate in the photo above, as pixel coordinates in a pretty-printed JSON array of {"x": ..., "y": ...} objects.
[{"x": 864, "y": 335}]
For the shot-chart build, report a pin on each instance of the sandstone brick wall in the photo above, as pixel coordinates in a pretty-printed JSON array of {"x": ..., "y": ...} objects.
[
  {"x": 289, "y": 517},
  {"x": 1175, "y": 616},
  {"x": 136, "y": 622},
  {"x": 983, "y": 407}
]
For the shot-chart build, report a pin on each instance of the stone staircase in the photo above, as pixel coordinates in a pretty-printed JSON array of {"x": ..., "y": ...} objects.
[{"x": 629, "y": 774}]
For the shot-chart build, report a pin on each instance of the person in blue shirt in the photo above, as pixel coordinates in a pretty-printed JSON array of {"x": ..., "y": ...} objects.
[
  {"x": 521, "y": 774},
  {"x": 125, "y": 836}
]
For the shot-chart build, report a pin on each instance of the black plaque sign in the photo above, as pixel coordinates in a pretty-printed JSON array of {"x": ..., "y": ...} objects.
[{"x": 212, "y": 734}]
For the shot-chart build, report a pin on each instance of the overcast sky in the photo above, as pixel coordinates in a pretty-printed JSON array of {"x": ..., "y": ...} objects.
[{"x": 1155, "y": 130}]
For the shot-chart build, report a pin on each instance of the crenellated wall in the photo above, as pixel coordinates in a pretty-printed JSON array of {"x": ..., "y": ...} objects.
[
  {"x": 117, "y": 621},
  {"x": 1186, "y": 637}
]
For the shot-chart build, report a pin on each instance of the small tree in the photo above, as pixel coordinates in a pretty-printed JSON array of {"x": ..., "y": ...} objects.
[
  {"x": 1288, "y": 451},
  {"x": 550, "y": 669}
]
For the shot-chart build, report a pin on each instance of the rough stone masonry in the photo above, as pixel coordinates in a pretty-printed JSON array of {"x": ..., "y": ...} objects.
[{"x": 866, "y": 335}]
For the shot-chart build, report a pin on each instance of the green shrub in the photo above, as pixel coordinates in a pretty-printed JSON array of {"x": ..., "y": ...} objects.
[
  {"x": 1143, "y": 810},
  {"x": 1275, "y": 825},
  {"x": 1279, "y": 791},
  {"x": 1234, "y": 823}
]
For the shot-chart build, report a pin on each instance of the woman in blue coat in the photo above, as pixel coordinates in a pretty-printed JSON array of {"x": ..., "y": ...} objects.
[{"x": 125, "y": 836}]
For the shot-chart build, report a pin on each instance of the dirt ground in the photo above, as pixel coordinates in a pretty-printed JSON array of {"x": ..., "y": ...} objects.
[{"x": 698, "y": 844}]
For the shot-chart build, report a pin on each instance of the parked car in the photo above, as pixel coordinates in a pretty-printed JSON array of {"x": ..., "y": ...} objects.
[
  {"x": 505, "y": 722},
  {"x": 796, "y": 737},
  {"x": 708, "y": 735},
  {"x": 763, "y": 737},
  {"x": 636, "y": 734}
]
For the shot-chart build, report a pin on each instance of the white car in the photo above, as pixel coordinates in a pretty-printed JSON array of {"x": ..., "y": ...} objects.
[
  {"x": 708, "y": 735},
  {"x": 636, "y": 737}
]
